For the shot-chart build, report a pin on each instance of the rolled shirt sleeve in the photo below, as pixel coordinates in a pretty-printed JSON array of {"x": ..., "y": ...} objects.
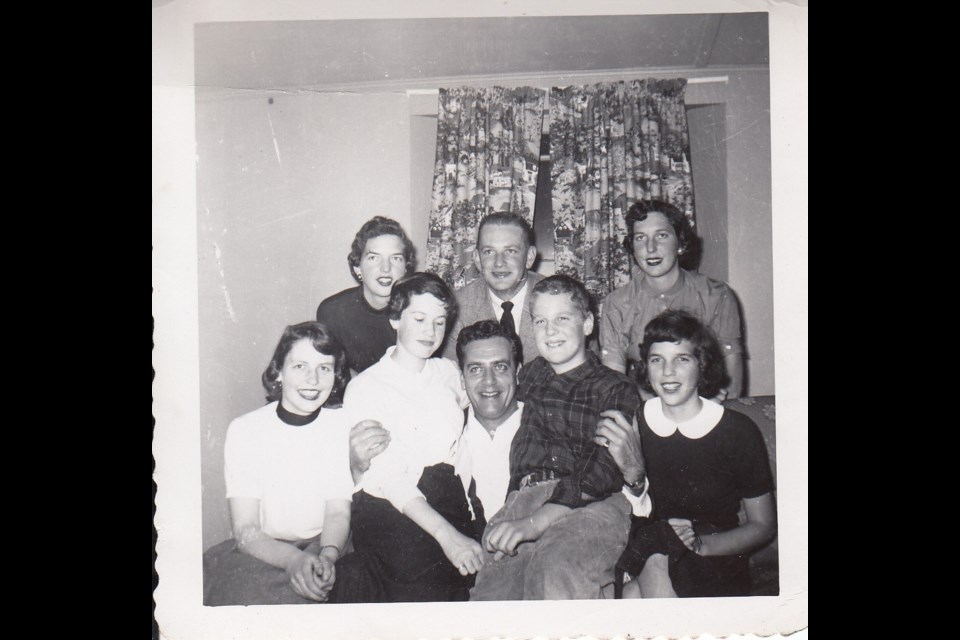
[
  {"x": 615, "y": 328},
  {"x": 725, "y": 318}
]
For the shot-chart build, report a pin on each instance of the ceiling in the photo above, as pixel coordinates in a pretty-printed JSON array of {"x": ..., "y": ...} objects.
[{"x": 333, "y": 53}]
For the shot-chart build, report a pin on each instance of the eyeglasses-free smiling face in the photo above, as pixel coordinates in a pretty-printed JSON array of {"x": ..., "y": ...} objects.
[
  {"x": 382, "y": 264},
  {"x": 502, "y": 255},
  {"x": 674, "y": 374},
  {"x": 306, "y": 379},
  {"x": 655, "y": 246},
  {"x": 561, "y": 330},
  {"x": 490, "y": 378},
  {"x": 421, "y": 326}
]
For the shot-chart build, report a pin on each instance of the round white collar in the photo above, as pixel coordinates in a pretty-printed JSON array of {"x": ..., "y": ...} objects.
[{"x": 694, "y": 428}]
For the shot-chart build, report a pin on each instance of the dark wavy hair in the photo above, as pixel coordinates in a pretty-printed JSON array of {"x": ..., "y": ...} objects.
[
  {"x": 484, "y": 329},
  {"x": 508, "y": 218},
  {"x": 687, "y": 240},
  {"x": 373, "y": 228},
  {"x": 417, "y": 284},
  {"x": 561, "y": 283},
  {"x": 325, "y": 342},
  {"x": 674, "y": 325}
]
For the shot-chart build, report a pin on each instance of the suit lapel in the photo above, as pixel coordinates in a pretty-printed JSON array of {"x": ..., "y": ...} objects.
[{"x": 525, "y": 319}]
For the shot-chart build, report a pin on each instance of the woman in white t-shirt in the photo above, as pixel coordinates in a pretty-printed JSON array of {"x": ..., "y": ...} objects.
[{"x": 288, "y": 480}]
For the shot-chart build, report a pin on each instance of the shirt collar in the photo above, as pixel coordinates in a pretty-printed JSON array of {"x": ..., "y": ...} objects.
[
  {"x": 395, "y": 369},
  {"x": 518, "y": 298},
  {"x": 694, "y": 428},
  {"x": 512, "y": 423},
  {"x": 676, "y": 288}
]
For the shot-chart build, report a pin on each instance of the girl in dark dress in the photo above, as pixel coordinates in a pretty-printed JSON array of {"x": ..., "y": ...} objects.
[{"x": 702, "y": 463}]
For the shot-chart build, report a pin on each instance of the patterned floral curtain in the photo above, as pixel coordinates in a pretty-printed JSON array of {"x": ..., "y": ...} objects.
[
  {"x": 488, "y": 153},
  {"x": 611, "y": 144}
]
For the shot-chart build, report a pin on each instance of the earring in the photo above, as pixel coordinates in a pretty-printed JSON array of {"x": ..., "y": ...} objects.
[
  {"x": 359, "y": 276},
  {"x": 679, "y": 252}
]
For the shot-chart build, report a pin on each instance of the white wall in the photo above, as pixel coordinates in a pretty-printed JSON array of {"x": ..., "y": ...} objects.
[
  {"x": 281, "y": 190},
  {"x": 749, "y": 217}
]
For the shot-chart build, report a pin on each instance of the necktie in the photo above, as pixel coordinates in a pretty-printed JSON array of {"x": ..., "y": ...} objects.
[{"x": 506, "y": 320}]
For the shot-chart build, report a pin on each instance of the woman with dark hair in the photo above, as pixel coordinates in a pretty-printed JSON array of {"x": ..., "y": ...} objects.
[
  {"x": 416, "y": 523},
  {"x": 380, "y": 255},
  {"x": 659, "y": 237},
  {"x": 288, "y": 480},
  {"x": 702, "y": 463}
]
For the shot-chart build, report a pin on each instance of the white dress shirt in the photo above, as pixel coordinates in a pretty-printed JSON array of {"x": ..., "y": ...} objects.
[{"x": 491, "y": 458}]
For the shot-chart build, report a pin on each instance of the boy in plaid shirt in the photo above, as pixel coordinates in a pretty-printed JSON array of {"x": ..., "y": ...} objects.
[{"x": 565, "y": 521}]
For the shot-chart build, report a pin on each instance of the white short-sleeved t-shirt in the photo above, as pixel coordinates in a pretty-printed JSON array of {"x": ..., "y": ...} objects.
[{"x": 292, "y": 470}]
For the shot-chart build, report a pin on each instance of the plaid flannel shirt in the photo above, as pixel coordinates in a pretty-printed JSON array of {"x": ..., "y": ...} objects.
[{"x": 559, "y": 421}]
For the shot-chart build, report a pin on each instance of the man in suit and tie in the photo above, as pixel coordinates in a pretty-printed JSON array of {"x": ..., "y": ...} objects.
[{"x": 504, "y": 255}]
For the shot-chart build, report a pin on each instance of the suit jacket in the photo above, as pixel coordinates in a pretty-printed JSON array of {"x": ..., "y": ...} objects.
[{"x": 476, "y": 303}]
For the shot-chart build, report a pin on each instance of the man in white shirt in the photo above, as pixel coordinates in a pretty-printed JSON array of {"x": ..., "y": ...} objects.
[{"x": 488, "y": 357}]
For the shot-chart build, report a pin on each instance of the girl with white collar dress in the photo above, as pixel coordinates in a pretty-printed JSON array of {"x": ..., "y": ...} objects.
[{"x": 702, "y": 463}]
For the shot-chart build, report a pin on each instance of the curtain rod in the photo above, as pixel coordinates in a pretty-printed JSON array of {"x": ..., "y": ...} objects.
[{"x": 703, "y": 80}]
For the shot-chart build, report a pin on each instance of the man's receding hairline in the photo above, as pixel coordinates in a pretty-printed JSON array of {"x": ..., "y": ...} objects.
[{"x": 505, "y": 223}]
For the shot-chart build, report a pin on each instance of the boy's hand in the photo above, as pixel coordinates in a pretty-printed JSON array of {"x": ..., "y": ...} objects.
[{"x": 504, "y": 537}]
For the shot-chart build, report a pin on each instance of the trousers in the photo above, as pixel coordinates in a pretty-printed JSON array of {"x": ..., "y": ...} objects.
[{"x": 572, "y": 560}]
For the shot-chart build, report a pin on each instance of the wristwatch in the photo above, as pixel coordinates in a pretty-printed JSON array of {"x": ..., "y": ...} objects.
[{"x": 636, "y": 488}]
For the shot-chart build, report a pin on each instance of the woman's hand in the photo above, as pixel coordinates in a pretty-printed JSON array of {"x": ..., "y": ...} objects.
[
  {"x": 305, "y": 577},
  {"x": 327, "y": 574},
  {"x": 684, "y": 530},
  {"x": 462, "y": 552}
]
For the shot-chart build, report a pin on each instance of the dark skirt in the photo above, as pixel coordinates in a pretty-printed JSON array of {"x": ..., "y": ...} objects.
[
  {"x": 693, "y": 576},
  {"x": 231, "y": 577},
  {"x": 394, "y": 560}
]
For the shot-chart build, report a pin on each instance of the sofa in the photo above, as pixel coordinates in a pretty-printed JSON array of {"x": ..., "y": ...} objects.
[{"x": 765, "y": 562}]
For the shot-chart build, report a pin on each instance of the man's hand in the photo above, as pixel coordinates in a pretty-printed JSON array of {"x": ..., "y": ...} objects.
[
  {"x": 622, "y": 438},
  {"x": 368, "y": 439}
]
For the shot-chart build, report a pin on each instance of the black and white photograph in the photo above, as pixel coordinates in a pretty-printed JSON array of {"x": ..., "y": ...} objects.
[{"x": 487, "y": 317}]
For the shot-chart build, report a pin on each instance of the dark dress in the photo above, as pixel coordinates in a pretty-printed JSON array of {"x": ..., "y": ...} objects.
[
  {"x": 702, "y": 480},
  {"x": 364, "y": 331}
]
